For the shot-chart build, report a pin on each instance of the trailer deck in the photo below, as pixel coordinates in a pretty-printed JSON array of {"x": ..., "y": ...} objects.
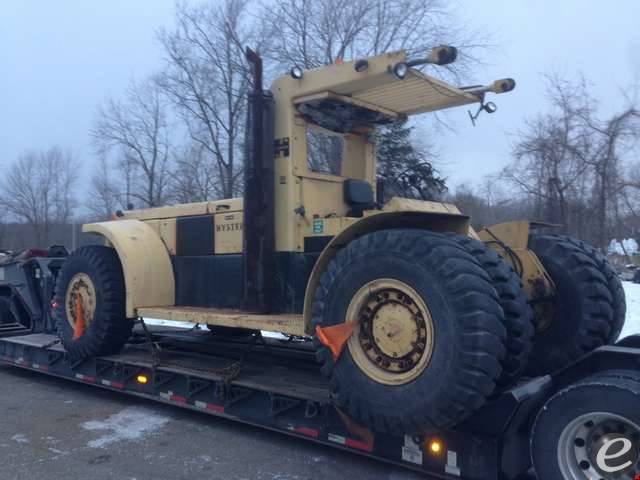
[{"x": 270, "y": 383}]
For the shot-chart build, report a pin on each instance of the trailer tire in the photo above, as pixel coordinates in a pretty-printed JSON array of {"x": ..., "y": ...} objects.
[
  {"x": 569, "y": 430},
  {"x": 108, "y": 329},
  {"x": 467, "y": 343},
  {"x": 518, "y": 314},
  {"x": 583, "y": 305}
]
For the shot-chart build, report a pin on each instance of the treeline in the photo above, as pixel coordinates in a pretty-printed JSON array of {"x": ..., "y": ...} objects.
[{"x": 177, "y": 135}]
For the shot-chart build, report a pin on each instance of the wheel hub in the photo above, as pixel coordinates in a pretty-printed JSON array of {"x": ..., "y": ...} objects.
[
  {"x": 393, "y": 341},
  {"x": 600, "y": 445},
  {"x": 392, "y": 331},
  {"x": 80, "y": 287}
]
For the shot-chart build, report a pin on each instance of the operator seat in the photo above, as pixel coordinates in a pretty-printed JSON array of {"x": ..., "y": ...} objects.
[{"x": 358, "y": 194}]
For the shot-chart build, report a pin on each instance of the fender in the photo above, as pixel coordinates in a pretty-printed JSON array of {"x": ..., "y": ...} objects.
[
  {"x": 148, "y": 273},
  {"x": 426, "y": 219}
]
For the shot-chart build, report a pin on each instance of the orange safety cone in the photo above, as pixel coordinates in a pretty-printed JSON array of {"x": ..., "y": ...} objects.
[
  {"x": 336, "y": 337},
  {"x": 79, "y": 325}
]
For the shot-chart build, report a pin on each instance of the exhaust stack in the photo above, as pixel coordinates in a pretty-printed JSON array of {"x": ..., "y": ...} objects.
[{"x": 259, "y": 198}]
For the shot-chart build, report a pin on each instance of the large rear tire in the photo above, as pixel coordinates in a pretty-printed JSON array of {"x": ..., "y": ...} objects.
[
  {"x": 584, "y": 317},
  {"x": 518, "y": 314},
  {"x": 94, "y": 275},
  {"x": 429, "y": 339},
  {"x": 613, "y": 282}
]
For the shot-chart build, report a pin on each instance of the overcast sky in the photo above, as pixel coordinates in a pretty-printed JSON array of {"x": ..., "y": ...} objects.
[{"x": 60, "y": 59}]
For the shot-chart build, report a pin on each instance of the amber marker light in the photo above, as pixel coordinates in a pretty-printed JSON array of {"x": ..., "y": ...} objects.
[
  {"x": 142, "y": 379},
  {"x": 435, "y": 447}
]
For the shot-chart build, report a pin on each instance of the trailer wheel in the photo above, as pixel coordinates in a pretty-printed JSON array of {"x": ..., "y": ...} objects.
[
  {"x": 92, "y": 277},
  {"x": 590, "y": 430},
  {"x": 584, "y": 317},
  {"x": 518, "y": 314},
  {"x": 429, "y": 335}
]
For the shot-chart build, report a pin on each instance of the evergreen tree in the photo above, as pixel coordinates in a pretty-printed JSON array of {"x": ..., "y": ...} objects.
[{"x": 405, "y": 169}]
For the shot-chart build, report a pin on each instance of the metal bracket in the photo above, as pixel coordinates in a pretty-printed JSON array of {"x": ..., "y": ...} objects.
[
  {"x": 160, "y": 378},
  {"x": 233, "y": 394},
  {"x": 280, "y": 404},
  {"x": 195, "y": 385}
]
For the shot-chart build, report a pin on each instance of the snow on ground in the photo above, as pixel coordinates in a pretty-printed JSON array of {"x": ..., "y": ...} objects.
[
  {"x": 132, "y": 423},
  {"x": 632, "y": 323}
]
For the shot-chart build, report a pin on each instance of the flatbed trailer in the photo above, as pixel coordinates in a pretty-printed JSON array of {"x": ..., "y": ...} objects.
[{"x": 275, "y": 384}]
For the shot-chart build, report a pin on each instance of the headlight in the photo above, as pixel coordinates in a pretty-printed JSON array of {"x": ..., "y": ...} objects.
[
  {"x": 297, "y": 72},
  {"x": 400, "y": 70}
]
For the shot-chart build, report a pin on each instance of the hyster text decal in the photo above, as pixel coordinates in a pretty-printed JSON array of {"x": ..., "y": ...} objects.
[{"x": 228, "y": 227}]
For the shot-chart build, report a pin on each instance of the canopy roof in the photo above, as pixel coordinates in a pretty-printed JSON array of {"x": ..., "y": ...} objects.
[{"x": 340, "y": 98}]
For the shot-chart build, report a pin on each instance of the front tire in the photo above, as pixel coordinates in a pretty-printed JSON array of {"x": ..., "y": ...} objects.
[
  {"x": 430, "y": 336},
  {"x": 93, "y": 275}
]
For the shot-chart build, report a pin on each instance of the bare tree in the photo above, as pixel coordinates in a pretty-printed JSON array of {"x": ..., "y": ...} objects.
[
  {"x": 136, "y": 130},
  {"x": 549, "y": 153},
  {"x": 194, "y": 179},
  {"x": 310, "y": 33},
  {"x": 569, "y": 161},
  {"x": 607, "y": 140},
  {"x": 102, "y": 197},
  {"x": 39, "y": 190},
  {"x": 207, "y": 79}
]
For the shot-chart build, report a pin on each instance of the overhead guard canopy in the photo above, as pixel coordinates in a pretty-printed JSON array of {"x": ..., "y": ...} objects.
[{"x": 340, "y": 98}]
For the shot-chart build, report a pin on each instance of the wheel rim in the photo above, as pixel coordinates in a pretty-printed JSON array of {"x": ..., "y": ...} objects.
[
  {"x": 588, "y": 435},
  {"x": 394, "y": 338},
  {"x": 81, "y": 286}
]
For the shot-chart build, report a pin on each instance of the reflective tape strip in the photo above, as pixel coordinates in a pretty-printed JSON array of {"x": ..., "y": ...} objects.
[
  {"x": 170, "y": 396},
  {"x": 350, "y": 442},
  {"x": 309, "y": 432},
  {"x": 359, "y": 445},
  {"x": 85, "y": 378},
  {"x": 109, "y": 383},
  {"x": 209, "y": 406}
]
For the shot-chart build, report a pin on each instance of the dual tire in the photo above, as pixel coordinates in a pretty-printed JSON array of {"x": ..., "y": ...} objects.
[
  {"x": 589, "y": 304},
  {"x": 453, "y": 278},
  {"x": 482, "y": 334}
]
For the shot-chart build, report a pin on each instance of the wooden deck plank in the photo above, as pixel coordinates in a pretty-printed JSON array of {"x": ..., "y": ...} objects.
[{"x": 285, "y": 323}]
